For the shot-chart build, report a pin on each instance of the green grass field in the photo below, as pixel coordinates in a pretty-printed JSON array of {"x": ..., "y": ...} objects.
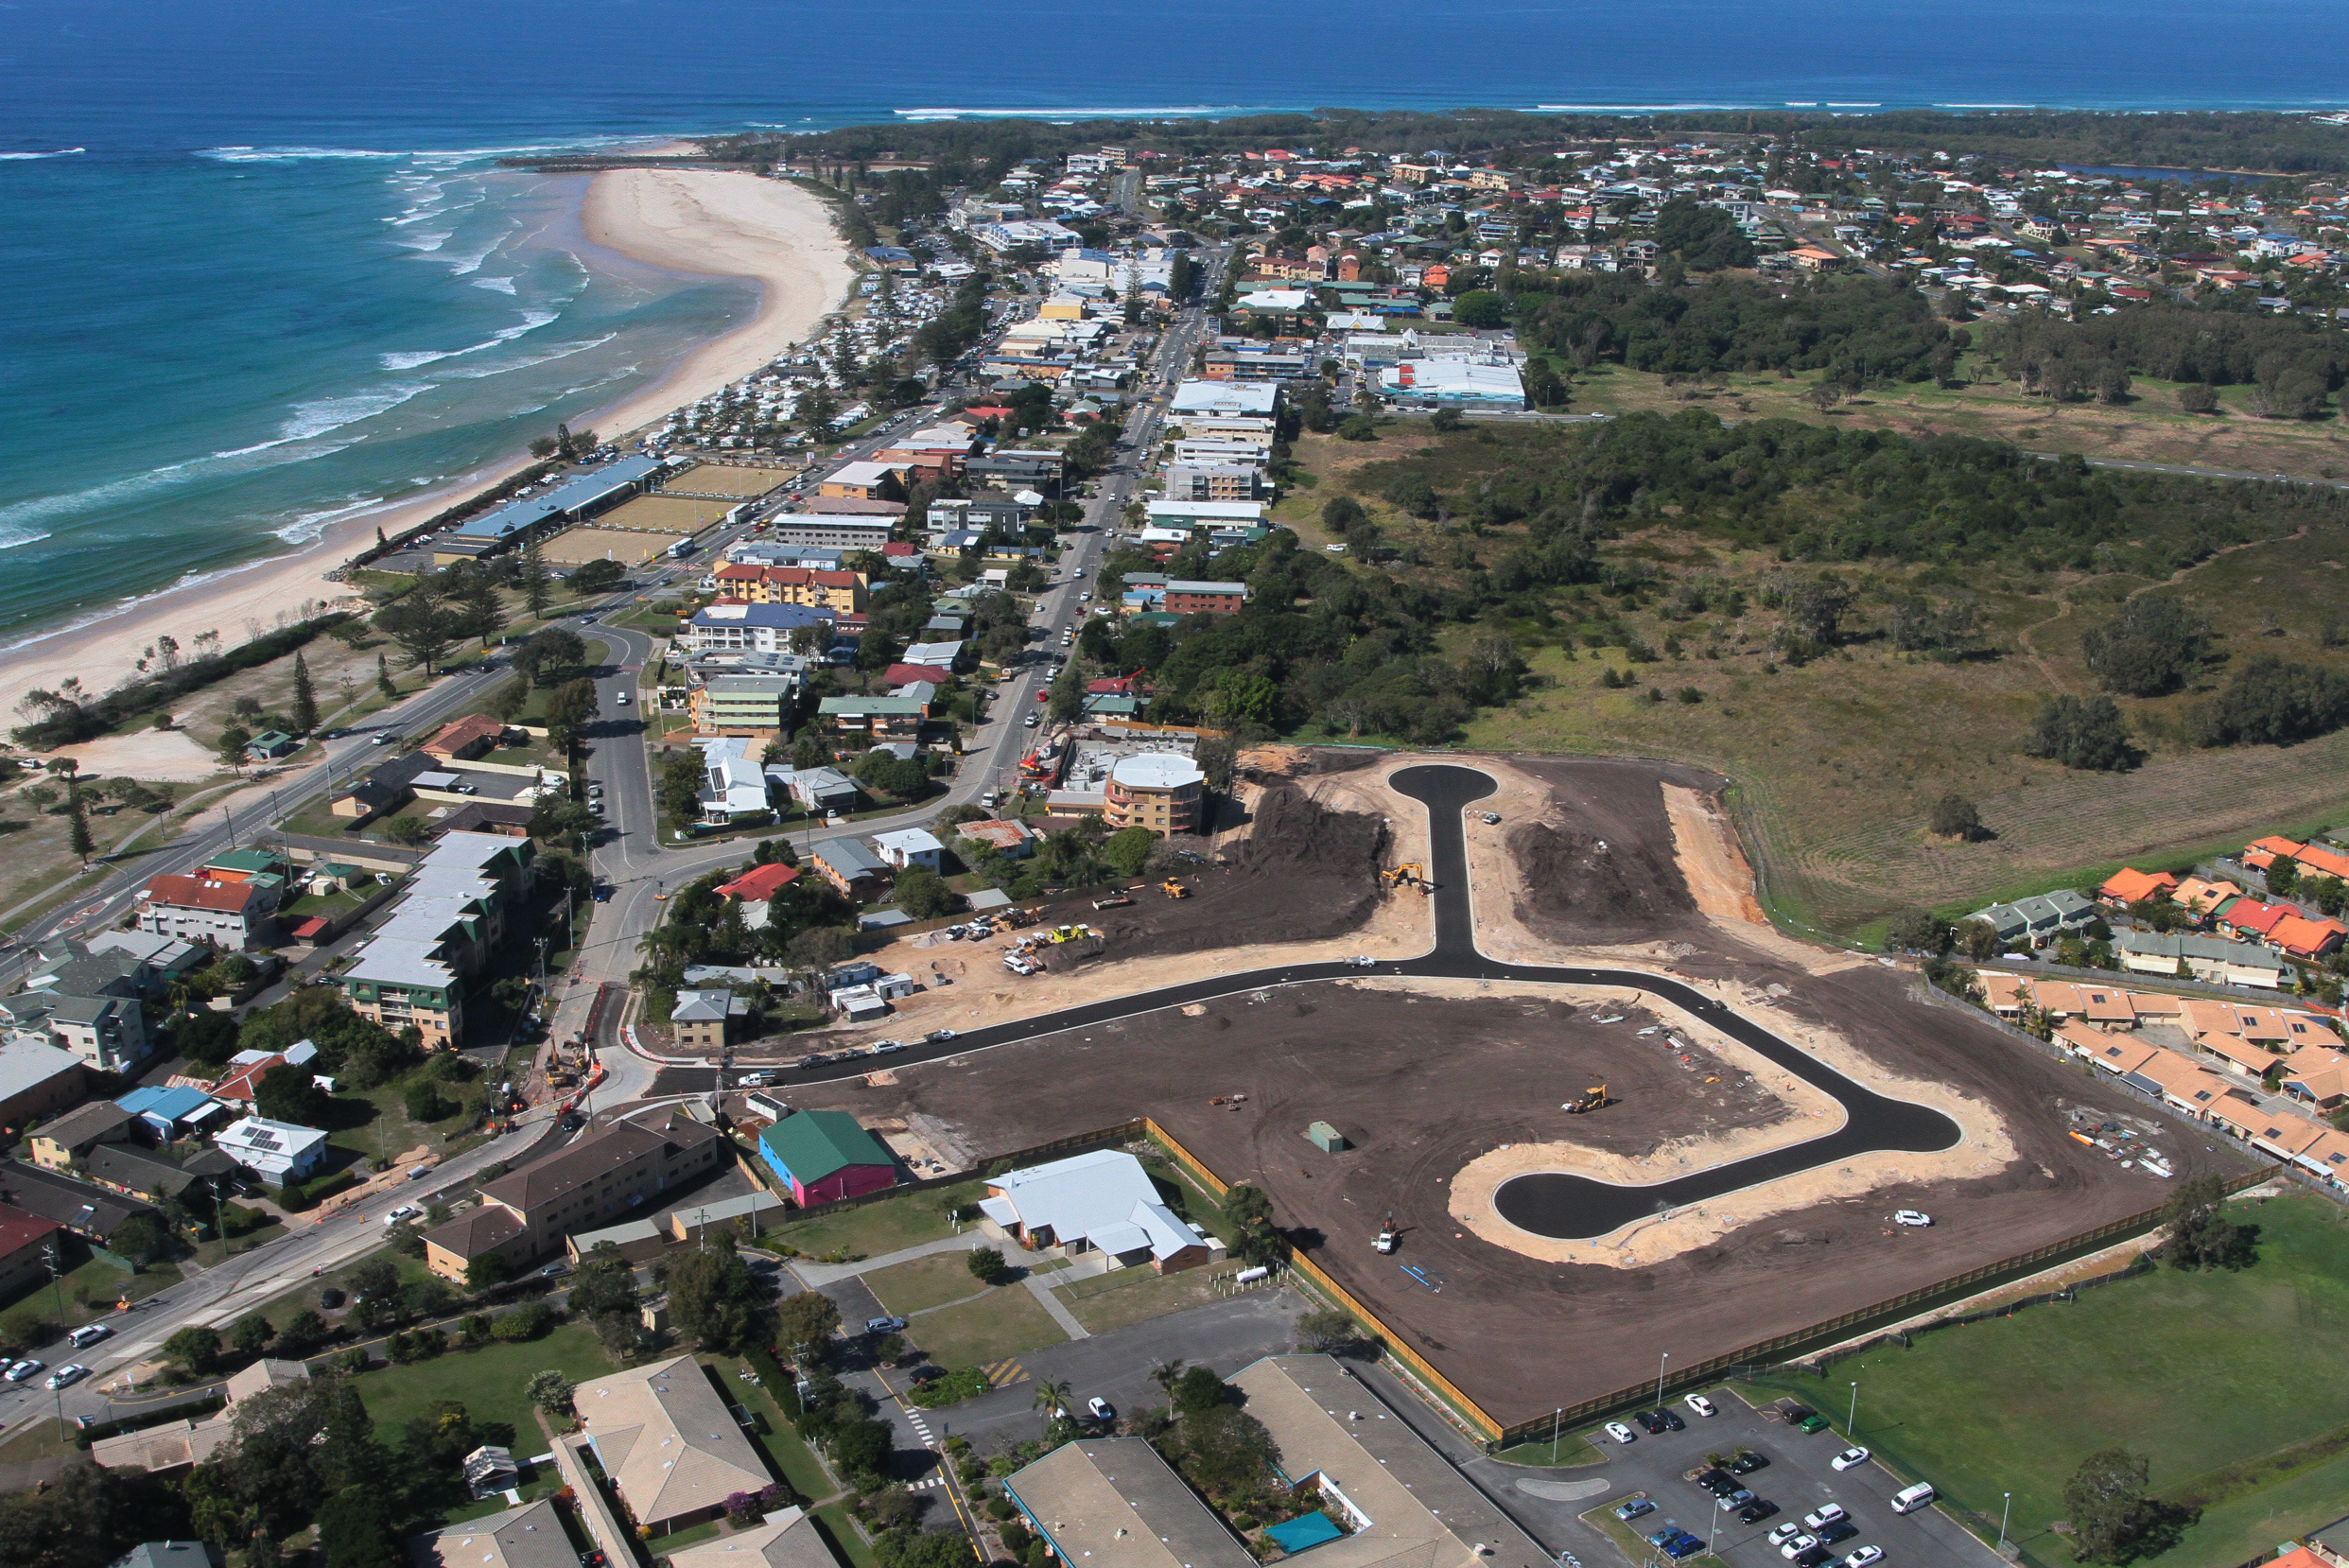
[
  {"x": 487, "y": 1382},
  {"x": 2193, "y": 1370},
  {"x": 975, "y": 1333},
  {"x": 876, "y": 1230},
  {"x": 1127, "y": 1295},
  {"x": 924, "y": 1283}
]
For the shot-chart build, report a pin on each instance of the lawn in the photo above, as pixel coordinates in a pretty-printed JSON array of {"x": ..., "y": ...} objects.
[
  {"x": 89, "y": 1290},
  {"x": 924, "y": 1283},
  {"x": 1126, "y": 1296},
  {"x": 1573, "y": 1448},
  {"x": 488, "y": 1382},
  {"x": 305, "y": 1296},
  {"x": 977, "y": 1333},
  {"x": 2193, "y": 1370},
  {"x": 786, "y": 1454},
  {"x": 876, "y": 1230}
]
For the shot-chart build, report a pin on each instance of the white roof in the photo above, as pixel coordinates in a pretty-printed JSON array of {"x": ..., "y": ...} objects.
[
  {"x": 908, "y": 841},
  {"x": 1219, "y": 511},
  {"x": 1104, "y": 1198},
  {"x": 278, "y": 1139},
  {"x": 1156, "y": 770},
  {"x": 861, "y": 472},
  {"x": 1239, "y": 397}
]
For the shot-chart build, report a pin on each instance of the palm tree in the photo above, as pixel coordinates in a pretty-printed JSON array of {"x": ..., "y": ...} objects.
[
  {"x": 1053, "y": 1398},
  {"x": 1165, "y": 1374}
]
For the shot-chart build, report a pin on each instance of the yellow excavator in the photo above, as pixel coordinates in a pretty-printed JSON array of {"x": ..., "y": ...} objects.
[
  {"x": 1410, "y": 874},
  {"x": 1174, "y": 890},
  {"x": 1593, "y": 1098}
]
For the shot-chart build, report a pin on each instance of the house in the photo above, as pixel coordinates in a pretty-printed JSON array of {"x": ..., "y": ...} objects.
[
  {"x": 2299, "y": 937},
  {"x": 531, "y": 1536},
  {"x": 26, "y": 1242},
  {"x": 277, "y": 1152},
  {"x": 109, "y": 1033},
  {"x": 785, "y": 1537},
  {"x": 672, "y": 1451},
  {"x": 169, "y": 1111},
  {"x": 2202, "y": 897},
  {"x": 817, "y": 789},
  {"x": 1099, "y": 1202},
  {"x": 230, "y": 915},
  {"x": 701, "y": 1019},
  {"x": 2254, "y": 918},
  {"x": 2206, "y": 958},
  {"x": 1009, "y": 837},
  {"x": 37, "y": 1080},
  {"x": 463, "y": 740},
  {"x": 874, "y": 718},
  {"x": 154, "y": 1175},
  {"x": 823, "y": 1154},
  {"x": 849, "y": 866},
  {"x": 89, "y": 1212},
  {"x": 735, "y": 785},
  {"x": 2036, "y": 922},
  {"x": 269, "y": 746},
  {"x": 757, "y": 889},
  {"x": 525, "y": 1213},
  {"x": 60, "y": 1144},
  {"x": 172, "y": 1554},
  {"x": 910, "y": 848},
  {"x": 1114, "y": 1503}
]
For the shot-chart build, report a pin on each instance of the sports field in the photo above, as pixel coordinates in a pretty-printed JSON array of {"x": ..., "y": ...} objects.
[
  {"x": 2196, "y": 1371},
  {"x": 665, "y": 513},
  {"x": 727, "y": 480}
]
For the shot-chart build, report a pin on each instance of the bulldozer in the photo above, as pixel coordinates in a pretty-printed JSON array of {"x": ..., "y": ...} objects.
[
  {"x": 1410, "y": 874},
  {"x": 1174, "y": 890},
  {"x": 1593, "y": 1098}
]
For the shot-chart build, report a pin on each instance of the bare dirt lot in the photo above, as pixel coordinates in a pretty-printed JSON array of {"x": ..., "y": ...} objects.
[
  {"x": 1426, "y": 1077},
  {"x": 725, "y": 479}
]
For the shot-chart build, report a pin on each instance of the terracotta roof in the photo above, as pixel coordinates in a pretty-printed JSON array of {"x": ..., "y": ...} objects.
[
  {"x": 19, "y": 1231},
  {"x": 241, "y": 1084},
  {"x": 2327, "y": 861},
  {"x": 761, "y": 885},
  {"x": 202, "y": 892},
  {"x": 459, "y": 733},
  {"x": 2127, "y": 886},
  {"x": 663, "y": 1437},
  {"x": 475, "y": 1231},
  {"x": 2304, "y": 938},
  {"x": 2252, "y": 916}
]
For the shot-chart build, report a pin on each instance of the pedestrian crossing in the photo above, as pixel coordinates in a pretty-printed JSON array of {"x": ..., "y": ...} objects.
[{"x": 1003, "y": 1374}]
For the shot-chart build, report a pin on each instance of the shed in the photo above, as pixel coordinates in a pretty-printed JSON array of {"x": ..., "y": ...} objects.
[
  {"x": 1327, "y": 1138},
  {"x": 824, "y": 1155}
]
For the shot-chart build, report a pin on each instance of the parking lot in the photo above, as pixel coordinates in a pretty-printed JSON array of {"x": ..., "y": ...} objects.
[{"x": 1798, "y": 1479}]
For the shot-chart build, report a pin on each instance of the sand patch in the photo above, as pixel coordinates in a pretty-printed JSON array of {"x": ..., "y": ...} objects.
[
  {"x": 167, "y": 755},
  {"x": 1711, "y": 860}
]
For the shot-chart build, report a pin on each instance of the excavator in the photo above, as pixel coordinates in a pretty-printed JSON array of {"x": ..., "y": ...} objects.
[
  {"x": 1410, "y": 874},
  {"x": 1174, "y": 890},
  {"x": 1593, "y": 1098}
]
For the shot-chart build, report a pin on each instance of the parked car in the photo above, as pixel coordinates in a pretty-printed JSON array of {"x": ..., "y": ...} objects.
[
  {"x": 66, "y": 1376},
  {"x": 1717, "y": 1481},
  {"x": 1686, "y": 1545},
  {"x": 936, "y": 1036},
  {"x": 884, "y": 1325},
  {"x": 1634, "y": 1508},
  {"x": 1911, "y": 1216},
  {"x": 1825, "y": 1514},
  {"x": 1784, "y": 1533},
  {"x": 1100, "y": 1409},
  {"x": 1842, "y": 1529},
  {"x": 1672, "y": 1421},
  {"x": 330, "y": 1298},
  {"x": 1702, "y": 1405},
  {"x": 555, "y": 1270},
  {"x": 1850, "y": 1459},
  {"x": 404, "y": 1212},
  {"x": 1756, "y": 1512},
  {"x": 1652, "y": 1421},
  {"x": 1863, "y": 1556},
  {"x": 1812, "y": 1423},
  {"x": 1816, "y": 1557},
  {"x": 1621, "y": 1432},
  {"x": 1795, "y": 1545},
  {"x": 23, "y": 1369},
  {"x": 1746, "y": 1462}
]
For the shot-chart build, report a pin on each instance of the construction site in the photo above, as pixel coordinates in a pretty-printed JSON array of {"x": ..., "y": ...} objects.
[{"x": 1434, "y": 1092}]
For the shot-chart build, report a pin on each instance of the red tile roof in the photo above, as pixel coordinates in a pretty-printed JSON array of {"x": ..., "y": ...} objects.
[
  {"x": 761, "y": 885},
  {"x": 902, "y": 674},
  {"x": 459, "y": 733},
  {"x": 202, "y": 892},
  {"x": 19, "y": 1231},
  {"x": 2128, "y": 886},
  {"x": 2304, "y": 938},
  {"x": 2252, "y": 916}
]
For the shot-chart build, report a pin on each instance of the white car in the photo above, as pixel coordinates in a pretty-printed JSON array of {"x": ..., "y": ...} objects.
[
  {"x": 404, "y": 1212},
  {"x": 1784, "y": 1533},
  {"x": 90, "y": 1334},
  {"x": 1702, "y": 1405},
  {"x": 1100, "y": 1409},
  {"x": 1864, "y": 1555},
  {"x": 23, "y": 1369},
  {"x": 72, "y": 1372},
  {"x": 1616, "y": 1430},
  {"x": 1911, "y": 1216},
  {"x": 622, "y": 699},
  {"x": 1820, "y": 1518},
  {"x": 1795, "y": 1545},
  {"x": 1850, "y": 1459}
]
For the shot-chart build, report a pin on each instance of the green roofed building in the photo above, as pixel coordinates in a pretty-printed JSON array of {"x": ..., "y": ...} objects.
[{"x": 824, "y": 1155}]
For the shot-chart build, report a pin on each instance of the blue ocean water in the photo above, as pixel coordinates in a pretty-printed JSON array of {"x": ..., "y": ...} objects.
[{"x": 280, "y": 279}]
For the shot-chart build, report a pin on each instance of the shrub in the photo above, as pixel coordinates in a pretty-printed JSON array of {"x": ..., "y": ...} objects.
[{"x": 527, "y": 1321}]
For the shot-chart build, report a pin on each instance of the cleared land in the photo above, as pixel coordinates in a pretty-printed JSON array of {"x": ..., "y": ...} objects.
[
  {"x": 661, "y": 514},
  {"x": 725, "y": 479},
  {"x": 576, "y": 545},
  {"x": 2196, "y": 1371}
]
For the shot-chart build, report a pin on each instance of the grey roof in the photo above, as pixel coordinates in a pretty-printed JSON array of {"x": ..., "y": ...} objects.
[
  {"x": 26, "y": 1065},
  {"x": 168, "y": 1553},
  {"x": 2209, "y": 948},
  {"x": 705, "y": 1007},
  {"x": 528, "y": 1537},
  {"x": 849, "y": 857},
  {"x": 86, "y": 1124},
  {"x": 76, "y": 1204},
  {"x": 585, "y": 491},
  {"x": 1113, "y": 1503}
]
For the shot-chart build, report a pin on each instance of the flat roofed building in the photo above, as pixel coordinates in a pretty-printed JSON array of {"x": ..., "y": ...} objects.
[
  {"x": 37, "y": 1080},
  {"x": 1159, "y": 791},
  {"x": 1261, "y": 398},
  {"x": 413, "y": 970},
  {"x": 667, "y": 1442},
  {"x": 1113, "y": 1503},
  {"x": 531, "y": 1536}
]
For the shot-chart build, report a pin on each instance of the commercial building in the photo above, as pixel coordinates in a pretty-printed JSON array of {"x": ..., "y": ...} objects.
[
  {"x": 1099, "y": 1202},
  {"x": 571, "y": 502},
  {"x": 525, "y": 1214},
  {"x": 840, "y": 591},
  {"x": 415, "y": 967},
  {"x": 1181, "y": 512},
  {"x": 666, "y": 1440},
  {"x": 841, "y": 531},
  {"x": 1212, "y": 481},
  {"x": 1159, "y": 791},
  {"x": 820, "y": 1155},
  {"x": 1113, "y": 1503},
  {"x": 865, "y": 481},
  {"x": 1246, "y": 398}
]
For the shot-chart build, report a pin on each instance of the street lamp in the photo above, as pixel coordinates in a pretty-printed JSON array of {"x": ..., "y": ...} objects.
[
  {"x": 1554, "y": 1416},
  {"x": 1851, "y": 1422},
  {"x": 1660, "y": 1377},
  {"x": 2004, "y": 1513}
]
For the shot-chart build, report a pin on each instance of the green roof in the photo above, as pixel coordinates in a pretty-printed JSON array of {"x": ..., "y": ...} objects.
[
  {"x": 814, "y": 1144},
  {"x": 245, "y": 860}
]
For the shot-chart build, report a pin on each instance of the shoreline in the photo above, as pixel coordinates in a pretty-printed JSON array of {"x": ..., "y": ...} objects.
[{"x": 705, "y": 222}]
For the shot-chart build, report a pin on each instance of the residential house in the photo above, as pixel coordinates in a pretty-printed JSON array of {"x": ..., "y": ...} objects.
[
  {"x": 757, "y": 889},
  {"x": 277, "y": 1152},
  {"x": 873, "y": 718},
  {"x": 816, "y": 788},
  {"x": 463, "y": 740},
  {"x": 86, "y": 1211},
  {"x": 784, "y": 1538},
  {"x": 849, "y": 866},
  {"x": 2203, "y": 897},
  {"x": 106, "y": 1032},
  {"x": 821, "y": 1156},
  {"x": 177, "y": 1445},
  {"x": 910, "y": 848},
  {"x": 736, "y": 785},
  {"x": 840, "y": 591},
  {"x": 242, "y": 1084},
  {"x": 154, "y": 1175},
  {"x": 38, "y": 1080},
  {"x": 2036, "y": 922},
  {"x": 26, "y": 1242},
  {"x": 169, "y": 1111},
  {"x": 525, "y": 1214},
  {"x": 673, "y": 1452},
  {"x": 531, "y": 1536},
  {"x": 2206, "y": 958},
  {"x": 1114, "y": 1503},
  {"x": 1099, "y": 1202},
  {"x": 58, "y": 1144},
  {"x": 1012, "y": 838},
  {"x": 701, "y": 1020}
]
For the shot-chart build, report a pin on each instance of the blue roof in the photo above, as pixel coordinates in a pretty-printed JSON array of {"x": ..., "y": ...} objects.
[
  {"x": 1310, "y": 1530},
  {"x": 585, "y": 491},
  {"x": 767, "y": 615},
  {"x": 165, "y": 1104}
]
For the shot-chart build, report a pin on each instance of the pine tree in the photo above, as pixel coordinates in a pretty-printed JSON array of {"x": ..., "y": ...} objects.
[
  {"x": 562, "y": 442},
  {"x": 304, "y": 697},
  {"x": 535, "y": 588},
  {"x": 79, "y": 816},
  {"x": 383, "y": 677}
]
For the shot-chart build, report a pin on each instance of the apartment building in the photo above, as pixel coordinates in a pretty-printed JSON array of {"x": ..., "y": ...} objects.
[
  {"x": 416, "y": 966},
  {"x": 759, "y": 706},
  {"x": 840, "y": 591},
  {"x": 228, "y": 914},
  {"x": 1159, "y": 791}
]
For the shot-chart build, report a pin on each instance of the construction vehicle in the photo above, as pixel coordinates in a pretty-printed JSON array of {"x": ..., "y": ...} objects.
[
  {"x": 1070, "y": 933},
  {"x": 1115, "y": 901},
  {"x": 1593, "y": 1098},
  {"x": 1410, "y": 874},
  {"x": 1174, "y": 890},
  {"x": 1388, "y": 1237},
  {"x": 1493, "y": 819}
]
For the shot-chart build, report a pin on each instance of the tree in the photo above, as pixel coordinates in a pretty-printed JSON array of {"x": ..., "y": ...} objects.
[
  {"x": 2200, "y": 1235},
  {"x": 553, "y": 652},
  {"x": 421, "y": 625},
  {"x": 2270, "y": 702},
  {"x": 89, "y": 1517},
  {"x": 407, "y": 830},
  {"x": 383, "y": 677},
  {"x": 303, "y": 1332},
  {"x": 924, "y": 894},
  {"x": 804, "y": 1323},
  {"x": 1128, "y": 850},
  {"x": 305, "y": 711},
  {"x": 231, "y": 749},
  {"x": 1481, "y": 307},
  {"x": 987, "y": 1266},
  {"x": 532, "y": 577},
  {"x": 193, "y": 1350},
  {"x": 78, "y": 820},
  {"x": 2149, "y": 647},
  {"x": 1215, "y": 757},
  {"x": 1328, "y": 1332},
  {"x": 490, "y": 1268},
  {"x": 1978, "y": 939},
  {"x": 2106, "y": 1503},
  {"x": 1955, "y": 818},
  {"x": 287, "y": 1093},
  {"x": 251, "y": 1334},
  {"x": 551, "y": 1392},
  {"x": 2198, "y": 397},
  {"x": 596, "y": 576},
  {"x": 1068, "y": 694},
  {"x": 1198, "y": 1391},
  {"x": 714, "y": 1298},
  {"x": 1914, "y": 930},
  {"x": 862, "y": 1448},
  {"x": 1445, "y": 420},
  {"x": 355, "y": 1530},
  {"x": 1249, "y": 1214},
  {"x": 2082, "y": 733},
  {"x": 137, "y": 1238},
  {"x": 423, "y": 1102},
  {"x": 1227, "y": 1451}
]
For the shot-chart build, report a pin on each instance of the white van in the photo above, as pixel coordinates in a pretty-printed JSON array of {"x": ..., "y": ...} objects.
[
  {"x": 1912, "y": 1498},
  {"x": 82, "y": 1338}
]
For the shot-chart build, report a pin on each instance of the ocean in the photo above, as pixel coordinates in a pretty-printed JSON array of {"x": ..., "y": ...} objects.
[{"x": 261, "y": 271}]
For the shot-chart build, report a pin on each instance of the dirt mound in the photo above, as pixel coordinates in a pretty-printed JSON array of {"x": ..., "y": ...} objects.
[
  {"x": 1601, "y": 886},
  {"x": 1304, "y": 873},
  {"x": 1060, "y": 957},
  {"x": 1273, "y": 763}
]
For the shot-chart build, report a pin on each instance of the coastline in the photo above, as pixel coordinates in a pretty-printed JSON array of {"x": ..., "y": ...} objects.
[{"x": 710, "y": 222}]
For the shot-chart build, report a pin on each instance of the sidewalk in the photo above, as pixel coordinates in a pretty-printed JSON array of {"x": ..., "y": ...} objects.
[{"x": 816, "y": 1276}]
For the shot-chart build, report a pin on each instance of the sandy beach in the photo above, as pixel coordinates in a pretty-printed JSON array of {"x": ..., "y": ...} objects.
[{"x": 686, "y": 221}]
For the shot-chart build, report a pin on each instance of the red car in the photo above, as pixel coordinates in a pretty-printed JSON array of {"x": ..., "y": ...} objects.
[{"x": 1040, "y": 696}]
